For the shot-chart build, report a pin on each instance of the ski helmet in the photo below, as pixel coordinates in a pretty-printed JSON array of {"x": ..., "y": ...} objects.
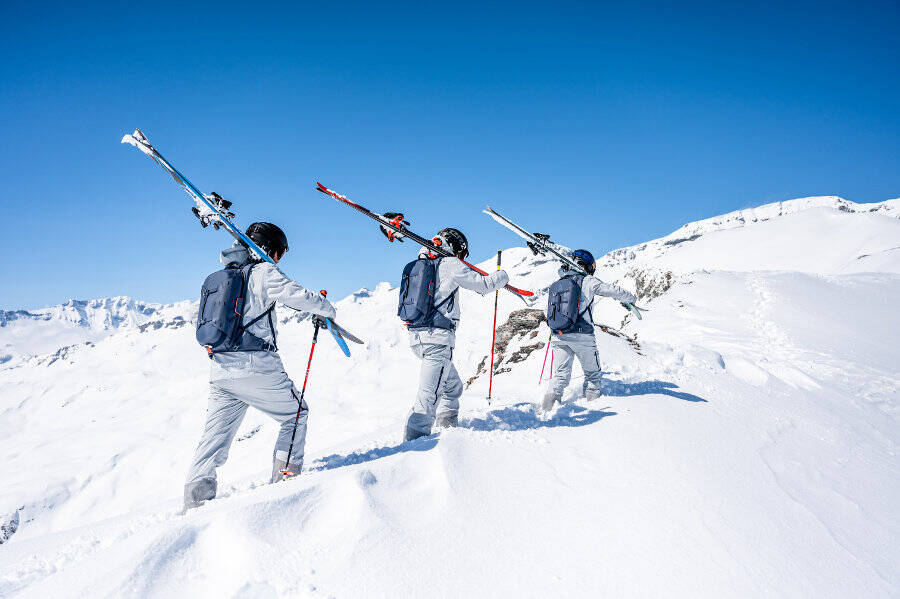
[
  {"x": 585, "y": 260},
  {"x": 270, "y": 238},
  {"x": 455, "y": 241}
]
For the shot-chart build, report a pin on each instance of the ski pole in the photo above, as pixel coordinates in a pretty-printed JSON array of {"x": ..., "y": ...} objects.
[
  {"x": 286, "y": 472},
  {"x": 493, "y": 335},
  {"x": 544, "y": 365}
]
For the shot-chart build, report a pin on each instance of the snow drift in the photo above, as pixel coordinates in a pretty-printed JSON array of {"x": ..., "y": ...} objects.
[{"x": 746, "y": 444}]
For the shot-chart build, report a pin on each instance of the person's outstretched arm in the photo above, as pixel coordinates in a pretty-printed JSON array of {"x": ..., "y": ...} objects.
[
  {"x": 467, "y": 278},
  {"x": 598, "y": 287},
  {"x": 281, "y": 289}
]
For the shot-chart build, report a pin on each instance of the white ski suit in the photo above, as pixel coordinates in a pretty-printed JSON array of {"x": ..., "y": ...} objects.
[
  {"x": 439, "y": 384},
  {"x": 257, "y": 378},
  {"x": 567, "y": 346}
]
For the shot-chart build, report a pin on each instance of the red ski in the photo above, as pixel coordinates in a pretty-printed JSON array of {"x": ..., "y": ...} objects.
[{"x": 396, "y": 225}]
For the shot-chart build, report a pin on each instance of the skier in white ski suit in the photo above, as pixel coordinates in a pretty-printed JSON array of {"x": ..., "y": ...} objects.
[
  {"x": 581, "y": 344},
  {"x": 437, "y": 398},
  {"x": 254, "y": 378}
]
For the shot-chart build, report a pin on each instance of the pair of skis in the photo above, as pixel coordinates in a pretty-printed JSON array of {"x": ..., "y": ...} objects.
[
  {"x": 214, "y": 210},
  {"x": 396, "y": 226},
  {"x": 540, "y": 244}
]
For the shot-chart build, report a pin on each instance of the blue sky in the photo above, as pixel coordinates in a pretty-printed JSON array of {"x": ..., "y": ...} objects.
[{"x": 604, "y": 124}]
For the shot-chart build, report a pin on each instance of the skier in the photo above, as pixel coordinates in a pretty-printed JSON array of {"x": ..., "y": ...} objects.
[
  {"x": 572, "y": 327},
  {"x": 253, "y": 375},
  {"x": 432, "y": 319}
]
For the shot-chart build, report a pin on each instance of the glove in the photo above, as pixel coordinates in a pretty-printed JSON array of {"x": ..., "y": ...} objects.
[
  {"x": 396, "y": 218},
  {"x": 319, "y": 321}
]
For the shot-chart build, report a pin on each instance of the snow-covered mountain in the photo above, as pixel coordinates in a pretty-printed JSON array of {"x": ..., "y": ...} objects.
[
  {"x": 29, "y": 333},
  {"x": 746, "y": 445},
  {"x": 784, "y": 241}
]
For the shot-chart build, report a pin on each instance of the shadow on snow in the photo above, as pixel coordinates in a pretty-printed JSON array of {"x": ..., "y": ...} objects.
[
  {"x": 522, "y": 417},
  {"x": 518, "y": 417},
  {"x": 619, "y": 389}
]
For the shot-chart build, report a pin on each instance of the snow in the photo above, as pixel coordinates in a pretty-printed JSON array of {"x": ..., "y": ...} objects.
[{"x": 746, "y": 444}]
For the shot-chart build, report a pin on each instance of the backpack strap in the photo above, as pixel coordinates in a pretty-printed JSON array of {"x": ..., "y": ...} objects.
[
  {"x": 447, "y": 299},
  {"x": 269, "y": 346},
  {"x": 590, "y": 304},
  {"x": 272, "y": 327},
  {"x": 437, "y": 265}
]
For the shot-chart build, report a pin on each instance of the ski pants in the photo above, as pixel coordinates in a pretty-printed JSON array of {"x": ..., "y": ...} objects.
[
  {"x": 439, "y": 389},
  {"x": 566, "y": 347},
  {"x": 273, "y": 394}
]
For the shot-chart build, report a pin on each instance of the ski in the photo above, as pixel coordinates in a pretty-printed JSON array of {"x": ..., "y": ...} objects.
[
  {"x": 345, "y": 333},
  {"x": 540, "y": 243},
  {"x": 210, "y": 210},
  {"x": 329, "y": 324},
  {"x": 396, "y": 225}
]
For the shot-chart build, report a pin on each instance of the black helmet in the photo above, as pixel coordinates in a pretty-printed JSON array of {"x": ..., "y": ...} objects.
[
  {"x": 585, "y": 260},
  {"x": 457, "y": 242},
  {"x": 269, "y": 237}
]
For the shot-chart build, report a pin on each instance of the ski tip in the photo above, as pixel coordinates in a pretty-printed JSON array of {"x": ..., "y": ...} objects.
[
  {"x": 337, "y": 338},
  {"x": 517, "y": 291},
  {"x": 133, "y": 139},
  {"x": 139, "y": 141},
  {"x": 330, "y": 192}
]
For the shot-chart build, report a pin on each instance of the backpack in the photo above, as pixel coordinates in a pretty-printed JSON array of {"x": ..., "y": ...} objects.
[
  {"x": 564, "y": 314},
  {"x": 417, "y": 289},
  {"x": 219, "y": 321}
]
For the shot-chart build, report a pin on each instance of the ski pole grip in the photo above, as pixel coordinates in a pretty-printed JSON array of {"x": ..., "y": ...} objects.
[{"x": 498, "y": 259}]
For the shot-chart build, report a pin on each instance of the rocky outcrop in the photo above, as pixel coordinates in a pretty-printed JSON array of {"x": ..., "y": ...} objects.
[
  {"x": 650, "y": 284},
  {"x": 521, "y": 325}
]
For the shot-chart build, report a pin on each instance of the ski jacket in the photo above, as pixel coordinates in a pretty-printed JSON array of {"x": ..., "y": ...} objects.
[
  {"x": 266, "y": 287},
  {"x": 591, "y": 288},
  {"x": 451, "y": 275}
]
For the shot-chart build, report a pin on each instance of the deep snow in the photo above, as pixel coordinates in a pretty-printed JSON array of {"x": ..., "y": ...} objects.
[{"x": 746, "y": 445}]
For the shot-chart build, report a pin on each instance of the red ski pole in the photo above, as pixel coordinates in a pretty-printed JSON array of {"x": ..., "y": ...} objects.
[
  {"x": 493, "y": 336},
  {"x": 286, "y": 472}
]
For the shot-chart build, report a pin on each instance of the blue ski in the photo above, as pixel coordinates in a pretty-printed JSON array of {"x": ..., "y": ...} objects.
[
  {"x": 337, "y": 337},
  {"x": 212, "y": 210}
]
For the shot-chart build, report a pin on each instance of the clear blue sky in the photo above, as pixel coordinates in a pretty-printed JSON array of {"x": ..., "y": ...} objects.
[{"x": 604, "y": 124}]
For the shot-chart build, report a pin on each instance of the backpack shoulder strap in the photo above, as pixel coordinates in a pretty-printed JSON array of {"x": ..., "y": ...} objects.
[
  {"x": 437, "y": 263},
  {"x": 580, "y": 280},
  {"x": 266, "y": 314}
]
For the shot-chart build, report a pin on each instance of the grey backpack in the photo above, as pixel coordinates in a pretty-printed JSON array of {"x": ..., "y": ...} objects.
[
  {"x": 417, "y": 288},
  {"x": 564, "y": 306},
  {"x": 220, "y": 325}
]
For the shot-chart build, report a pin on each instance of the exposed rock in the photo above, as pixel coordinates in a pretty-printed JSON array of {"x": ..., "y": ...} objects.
[
  {"x": 616, "y": 333},
  {"x": 521, "y": 324},
  {"x": 154, "y": 325},
  {"x": 523, "y": 352},
  {"x": 9, "y": 524},
  {"x": 650, "y": 284}
]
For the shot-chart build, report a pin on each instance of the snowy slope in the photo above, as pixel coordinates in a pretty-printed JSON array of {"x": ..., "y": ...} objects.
[
  {"x": 746, "y": 445},
  {"x": 871, "y": 234}
]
